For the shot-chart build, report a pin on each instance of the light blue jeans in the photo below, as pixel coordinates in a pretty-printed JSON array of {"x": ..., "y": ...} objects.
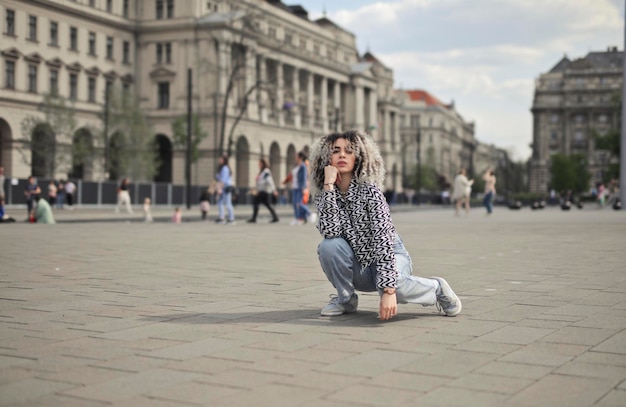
[
  {"x": 300, "y": 210},
  {"x": 345, "y": 273},
  {"x": 488, "y": 201},
  {"x": 226, "y": 198}
]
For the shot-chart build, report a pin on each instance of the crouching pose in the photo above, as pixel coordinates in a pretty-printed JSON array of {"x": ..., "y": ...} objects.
[{"x": 361, "y": 249}]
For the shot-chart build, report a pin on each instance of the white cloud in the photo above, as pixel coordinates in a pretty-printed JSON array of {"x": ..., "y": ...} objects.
[{"x": 484, "y": 54}]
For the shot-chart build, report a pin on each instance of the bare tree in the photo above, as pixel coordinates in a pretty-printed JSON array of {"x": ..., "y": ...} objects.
[{"x": 244, "y": 26}]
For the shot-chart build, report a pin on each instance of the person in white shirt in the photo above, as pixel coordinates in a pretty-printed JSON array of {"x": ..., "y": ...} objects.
[{"x": 462, "y": 190}]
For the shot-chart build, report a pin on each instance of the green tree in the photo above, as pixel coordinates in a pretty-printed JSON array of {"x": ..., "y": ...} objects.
[
  {"x": 569, "y": 173},
  {"x": 41, "y": 134},
  {"x": 611, "y": 143},
  {"x": 135, "y": 151},
  {"x": 179, "y": 131}
]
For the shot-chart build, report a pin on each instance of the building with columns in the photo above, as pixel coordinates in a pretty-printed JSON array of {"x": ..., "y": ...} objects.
[
  {"x": 572, "y": 101},
  {"x": 266, "y": 80}
]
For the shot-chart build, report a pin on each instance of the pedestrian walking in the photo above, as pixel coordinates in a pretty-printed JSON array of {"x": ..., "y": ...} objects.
[
  {"x": 31, "y": 192},
  {"x": 52, "y": 193},
  {"x": 205, "y": 204},
  {"x": 225, "y": 191},
  {"x": 123, "y": 196},
  {"x": 361, "y": 249},
  {"x": 70, "y": 189},
  {"x": 300, "y": 188},
  {"x": 490, "y": 190},
  {"x": 60, "y": 194},
  {"x": 461, "y": 192},
  {"x": 265, "y": 189}
]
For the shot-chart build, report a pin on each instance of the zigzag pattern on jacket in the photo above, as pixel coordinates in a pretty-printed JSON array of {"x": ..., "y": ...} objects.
[{"x": 363, "y": 219}]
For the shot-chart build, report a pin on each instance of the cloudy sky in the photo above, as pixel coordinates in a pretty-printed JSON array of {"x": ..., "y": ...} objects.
[{"x": 483, "y": 54}]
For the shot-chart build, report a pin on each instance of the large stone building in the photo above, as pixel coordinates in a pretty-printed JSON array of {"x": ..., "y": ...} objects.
[
  {"x": 572, "y": 100},
  {"x": 447, "y": 140},
  {"x": 266, "y": 82}
]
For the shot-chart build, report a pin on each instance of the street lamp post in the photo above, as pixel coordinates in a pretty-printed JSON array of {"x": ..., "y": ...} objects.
[{"x": 106, "y": 133}]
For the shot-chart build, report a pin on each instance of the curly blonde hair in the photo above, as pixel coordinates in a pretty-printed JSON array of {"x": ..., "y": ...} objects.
[{"x": 368, "y": 166}]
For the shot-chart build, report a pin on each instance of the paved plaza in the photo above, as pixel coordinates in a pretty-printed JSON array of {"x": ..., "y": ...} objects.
[{"x": 199, "y": 314}]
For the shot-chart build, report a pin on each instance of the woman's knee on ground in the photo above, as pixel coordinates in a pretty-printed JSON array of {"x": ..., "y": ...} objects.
[{"x": 333, "y": 247}]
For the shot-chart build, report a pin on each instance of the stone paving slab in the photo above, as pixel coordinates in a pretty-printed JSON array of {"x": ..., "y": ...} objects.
[{"x": 100, "y": 310}]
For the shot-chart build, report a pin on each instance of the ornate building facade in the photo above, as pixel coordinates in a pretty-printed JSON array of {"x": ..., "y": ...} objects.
[
  {"x": 572, "y": 101},
  {"x": 445, "y": 141},
  {"x": 266, "y": 80}
]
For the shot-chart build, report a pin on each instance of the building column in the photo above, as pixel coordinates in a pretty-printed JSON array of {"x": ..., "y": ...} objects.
[
  {"x": 385, "y": 137},
  {"x": 337, "y": 106},
  {"x": 324, "y": 104},
  {"x": 280, "y": 92},
  {"x": 310, "y": 97},
  {"x": 262, "y": 93},
  {"x": 223, "y": 59},
  {"x": 373, "y": 113},
  {"x": 296, "y": 97},
  {"x": 359, "y": 107},
  {"x": 251, "y": 84}
]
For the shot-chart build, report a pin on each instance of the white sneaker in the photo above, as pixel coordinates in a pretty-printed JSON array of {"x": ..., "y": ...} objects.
[
  {"x": 313, "y": 217},
  {"x": 447, "y": 300}
]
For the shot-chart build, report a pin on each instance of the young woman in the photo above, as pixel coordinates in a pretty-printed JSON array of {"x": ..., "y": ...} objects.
[
  {"x": 265, "y": 188},
  {"x": 361, "y": 249},
  {"x": 225, "y": 191}
]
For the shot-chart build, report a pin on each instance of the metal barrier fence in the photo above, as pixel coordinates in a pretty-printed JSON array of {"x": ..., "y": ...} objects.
[{"x": 104, "y": 193}]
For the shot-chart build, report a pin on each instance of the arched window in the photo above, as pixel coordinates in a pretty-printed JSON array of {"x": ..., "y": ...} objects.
[
  {"x": 275, "y": 163},
  {"x": 242, "y": 155},
  {"x": 82, "y": 154},
  {"x": 164, "y": 151},
  {"x": 43, "y": 151}
]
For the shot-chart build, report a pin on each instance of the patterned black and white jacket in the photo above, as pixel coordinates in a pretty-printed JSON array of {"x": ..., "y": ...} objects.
[{"x": 363, "y": 219}]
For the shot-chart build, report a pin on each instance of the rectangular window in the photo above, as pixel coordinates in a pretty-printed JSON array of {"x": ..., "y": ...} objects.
[
  {"x": 159, "y": 53},
  {"x": 170, "y": 8},
  {"x": 109, "y": 6},
  {"x": 125, "y": 8},
  {"x": 54, "y": 33},
  {"x": 92, "y": 3},
  {"x": 415, "y": 121},
  {"x": 73, "y": 86},
  {"x": 9, "y": 74},
  {"x": 10, "y": 22},
  {"x": 109, "y": 47},
  {"x": 32, "y": 28},
  {"x": 54, "y": 82},
  {"x": 92, "y": 90},
  {"x": 159, "y": 9},
  {"x": 126, "y": 52},
  {"x": 73, "y": 38},
  {"x": 107, "y": 87},
  {"x": 168, "y": 53},
  {"x": 32, "y": 78},
  {"x": 92, "y": 43},
  {"x": 164, "y": 95}
]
